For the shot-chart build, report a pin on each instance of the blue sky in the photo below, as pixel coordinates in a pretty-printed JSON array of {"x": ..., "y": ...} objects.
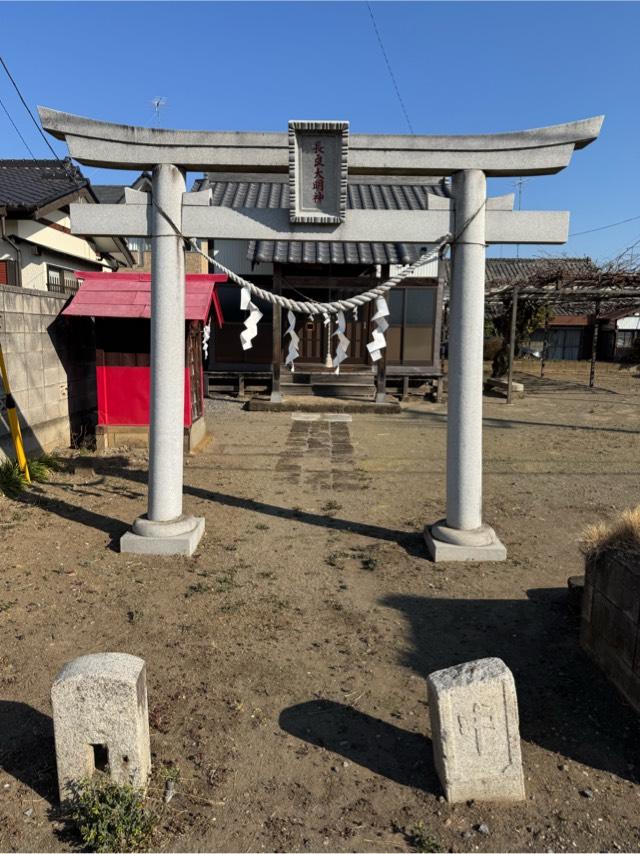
[{"x": 461, "y": 68}]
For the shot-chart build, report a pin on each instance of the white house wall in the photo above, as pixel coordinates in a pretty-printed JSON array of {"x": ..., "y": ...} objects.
[
  {"x": 632, "y": 322},
  {"x": 51, "y": 238}
]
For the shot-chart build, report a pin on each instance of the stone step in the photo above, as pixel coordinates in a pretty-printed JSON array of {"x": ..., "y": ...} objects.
[
  {"x": 362, "y": 391},
  {"x": 343, "y": 378},
  {"x": 289, "y": 389}
]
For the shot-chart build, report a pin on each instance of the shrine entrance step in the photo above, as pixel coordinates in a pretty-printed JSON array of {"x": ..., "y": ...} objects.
[
  {"x": 348, "y": 384},
  {"x": 323, "y": 404}
]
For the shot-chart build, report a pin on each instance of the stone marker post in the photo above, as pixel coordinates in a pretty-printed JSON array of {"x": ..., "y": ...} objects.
[
  {"x": 475, "y": 733},
  {"x": 101, "y": 720}
]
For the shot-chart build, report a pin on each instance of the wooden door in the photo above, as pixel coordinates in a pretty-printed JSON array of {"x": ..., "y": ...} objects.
[
  {"x": 356, "y": 330},
  {"x": 316, "y": 339}
]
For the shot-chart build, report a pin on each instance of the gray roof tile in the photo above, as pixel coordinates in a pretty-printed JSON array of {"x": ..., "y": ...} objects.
[
  {"x": 362, "y": 194},
  {"x": 26, "y": 185}
]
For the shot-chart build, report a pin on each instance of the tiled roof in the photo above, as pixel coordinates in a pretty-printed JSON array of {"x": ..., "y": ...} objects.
[
  {"x": 26, "y": 185},
  {"x": 502, "y": 271},
  {"x": 108, "y": 194},
  {"x": 256, "y": 192},
  {"x": 113, "y": 194}
]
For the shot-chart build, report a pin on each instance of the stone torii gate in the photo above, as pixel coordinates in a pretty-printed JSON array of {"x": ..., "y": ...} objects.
[{"x": 474, "y": 220}]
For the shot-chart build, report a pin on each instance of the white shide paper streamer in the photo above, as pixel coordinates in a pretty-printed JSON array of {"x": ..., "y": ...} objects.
[
  {"x": 294, "y": 339},
  {"x": 378, "y": 341},
  {"x": 251, "y": 323},
  {"x": 343, "y": 342},
  {"x": 206, "y": 335}
]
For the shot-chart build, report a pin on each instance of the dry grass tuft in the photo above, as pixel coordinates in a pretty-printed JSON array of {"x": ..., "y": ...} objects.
[{"x": 623, "y": 535}]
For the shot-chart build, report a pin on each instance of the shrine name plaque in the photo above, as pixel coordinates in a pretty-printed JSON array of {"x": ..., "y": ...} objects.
[{"x": 318, "y": 158}]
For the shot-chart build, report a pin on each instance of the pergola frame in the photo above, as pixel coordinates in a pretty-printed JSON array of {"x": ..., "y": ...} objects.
[
  {"x": 575, "y": 292},
  {"x": 469, "y": 216}
]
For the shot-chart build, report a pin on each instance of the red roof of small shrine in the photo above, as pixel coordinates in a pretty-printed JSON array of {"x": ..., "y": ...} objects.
[{"x": 129, "y": 295}]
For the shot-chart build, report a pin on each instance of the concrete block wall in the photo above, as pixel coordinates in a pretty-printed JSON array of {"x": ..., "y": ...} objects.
[
  {"x": 610, "y": 624},
  {"x": 51, "y": 365}
]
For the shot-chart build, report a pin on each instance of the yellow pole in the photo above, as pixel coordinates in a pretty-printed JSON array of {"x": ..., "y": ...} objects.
[{"x": 14, "y": 424}]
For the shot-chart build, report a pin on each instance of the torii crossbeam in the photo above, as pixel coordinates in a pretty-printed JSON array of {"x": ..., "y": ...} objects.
[{"x": 474, "y": 220}]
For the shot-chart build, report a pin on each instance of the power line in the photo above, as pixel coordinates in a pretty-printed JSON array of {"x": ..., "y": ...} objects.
[
  {"x": 389, "y": 69},
  {"x": 15, "y": 127},
  {"x": 66, "y": 164},
  {"x": 27, "y": 108},
  {"x": 602, "y": 227}
]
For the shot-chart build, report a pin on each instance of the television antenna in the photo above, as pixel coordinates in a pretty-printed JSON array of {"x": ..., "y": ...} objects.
[
  {"x": 519, "y": 184},
  {"x": 158, "y": 103}
]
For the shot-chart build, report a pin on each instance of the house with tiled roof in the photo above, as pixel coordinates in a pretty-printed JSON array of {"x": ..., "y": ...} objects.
[
  {"x": 50, "y": 370},
  {"x": 571, "y": 326},
  {"x": 37, "y": 249}
]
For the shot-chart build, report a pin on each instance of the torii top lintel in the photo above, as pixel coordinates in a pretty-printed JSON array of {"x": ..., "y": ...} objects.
[{"x": 541, "y": 151}]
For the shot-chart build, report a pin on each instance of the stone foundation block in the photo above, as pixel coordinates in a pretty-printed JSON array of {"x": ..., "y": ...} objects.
[
  {"x": 101, "y": 720},
  {"x": 177, "y": 544},
  {"x": 475, "y": 732}
]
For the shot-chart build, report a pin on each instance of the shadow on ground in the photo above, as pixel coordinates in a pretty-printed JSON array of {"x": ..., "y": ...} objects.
[
  {"x": 566, "y": 704},
  {"x": 412, "y": 542},
  {"x": 114, "y": 528},
  {"x": 402, "y": 756},
  {"x": 440, "y": 418},
  {"x": 27, "y": 749}
]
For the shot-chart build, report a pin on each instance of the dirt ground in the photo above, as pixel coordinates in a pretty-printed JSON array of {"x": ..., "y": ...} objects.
[{"x": 287, "y": 660}]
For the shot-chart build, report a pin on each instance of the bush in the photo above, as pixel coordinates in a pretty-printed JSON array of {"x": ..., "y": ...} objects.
[
  {"x": 38, "y": 471},
  {"x": 53, "y": 462},
  {"x": 11, "y": 481},
  {"x": 109, "y": 816},
  {"x": 622, "y": 535}
]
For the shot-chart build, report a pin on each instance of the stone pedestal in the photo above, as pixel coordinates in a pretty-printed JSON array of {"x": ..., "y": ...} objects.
[
  {"x": 451, "y": 544},
  {"x": 178, "y": 537}
]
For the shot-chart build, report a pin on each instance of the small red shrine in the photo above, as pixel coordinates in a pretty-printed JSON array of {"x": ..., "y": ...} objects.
[{"x": 120, "y": 303}]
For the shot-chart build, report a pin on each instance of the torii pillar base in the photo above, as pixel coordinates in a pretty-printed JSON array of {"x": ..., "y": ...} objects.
[
  {"x": 450, "y": 544},
  {"x": 177, "y": 537}
]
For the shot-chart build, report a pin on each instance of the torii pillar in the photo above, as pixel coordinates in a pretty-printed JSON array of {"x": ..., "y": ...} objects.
[
  {"x": 165, "y": 529},
  {"x": 463, "y": 535},
  {"x": 474, "y": 221}
]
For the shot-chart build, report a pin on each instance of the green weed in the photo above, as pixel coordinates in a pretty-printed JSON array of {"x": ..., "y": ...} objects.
[
  {"x": 11, "y": 481},
  {"x": 109, "y": 816},
  {"x": 421, "y": 840},
  {"x": 53, "y": 462},
  {"x": 38, "y": 471}
]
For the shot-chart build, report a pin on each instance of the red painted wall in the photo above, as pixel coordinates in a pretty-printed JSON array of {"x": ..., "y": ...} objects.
[{"x": 123, "y": 395}]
